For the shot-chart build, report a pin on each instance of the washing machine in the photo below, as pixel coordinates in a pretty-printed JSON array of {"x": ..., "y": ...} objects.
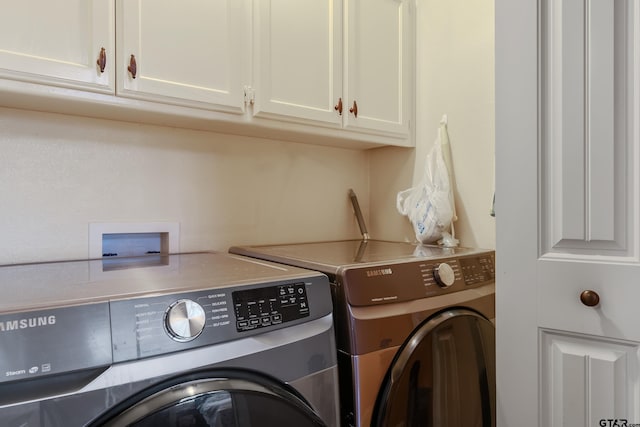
[
  {"x": 202, "y": 339},
  {"x": 414, "y": 325}
]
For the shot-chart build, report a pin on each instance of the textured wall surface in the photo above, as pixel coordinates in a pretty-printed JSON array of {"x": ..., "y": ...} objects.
[
  {"x": 455, "y": 76},
  {"x": 59, "y": 173}
]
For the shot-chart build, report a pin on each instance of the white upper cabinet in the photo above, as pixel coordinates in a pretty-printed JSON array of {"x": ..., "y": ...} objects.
[
  {"x": 336, "y": 72},
  {"x": 193, "y": 52},
  {"x": 59, "y": 43},
  {"x": 339, "y": 63},
  {"x": 298, "y": 59},
  {"x": 380, "y": 57}
]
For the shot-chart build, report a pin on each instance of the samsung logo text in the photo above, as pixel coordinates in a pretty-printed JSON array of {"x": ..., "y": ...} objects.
[
  {"x": 31, "y": 322},
  {"x": 379, "y": 272}
]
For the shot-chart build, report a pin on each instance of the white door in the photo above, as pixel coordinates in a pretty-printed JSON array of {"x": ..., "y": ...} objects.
[
  {"x": 193, "y": 52},
  {"x": 59, "y": 43},
  {"x": 298, "y": 60},
  {"x": 379, "y": 58},
  {"x": 567, "y": 210}
]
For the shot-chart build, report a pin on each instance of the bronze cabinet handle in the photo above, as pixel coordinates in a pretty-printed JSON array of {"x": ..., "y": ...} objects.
[
  {"x": 133, "y": 67},
  {"x": 338, "y": 106},
  {"x": 590, "y": 298},
  {"x": 102, "y": 60},
  {"x": 354, "y": 109}
]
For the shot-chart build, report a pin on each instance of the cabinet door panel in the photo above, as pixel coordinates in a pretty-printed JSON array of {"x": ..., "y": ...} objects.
[
  {"x": 297, "y": 59},
  {"x": 191, "y": 52},
  {"x": 58, "y": 43},
  {"x": 379, "y": 65}
]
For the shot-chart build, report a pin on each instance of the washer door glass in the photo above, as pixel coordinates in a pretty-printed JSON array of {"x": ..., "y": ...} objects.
[
  {"x": 443, "y": 375},
  {"x": 222, "y": 398}
]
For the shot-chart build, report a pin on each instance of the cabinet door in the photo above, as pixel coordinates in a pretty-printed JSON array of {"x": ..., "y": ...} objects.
[
  {"x": 188, "y": 52},
  {"x": 58, "y": 43},
  {"x": 379, "y": 65},
  {"x": 298, "y": 59}
]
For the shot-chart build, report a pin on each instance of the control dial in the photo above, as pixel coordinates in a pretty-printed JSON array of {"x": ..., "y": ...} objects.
[
  {"x": 444, "y": 275},
  {"x": 184, "y": 320}
]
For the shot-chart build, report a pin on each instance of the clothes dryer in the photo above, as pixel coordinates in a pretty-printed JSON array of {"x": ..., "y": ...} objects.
[
  {"x": 416, "y": 344},
  {"x": 203, "y": 339}
]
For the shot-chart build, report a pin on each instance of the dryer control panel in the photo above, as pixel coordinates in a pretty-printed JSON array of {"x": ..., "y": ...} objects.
[{"x": 406, "y": 281}]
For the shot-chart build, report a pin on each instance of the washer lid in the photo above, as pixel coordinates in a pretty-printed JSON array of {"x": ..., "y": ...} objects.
[{"x": 48, "y": 285}]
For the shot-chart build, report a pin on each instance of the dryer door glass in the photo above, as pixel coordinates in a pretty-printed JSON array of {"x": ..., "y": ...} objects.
[
  {"x": 443, "y": 375},
  {"x": 228, "y": 398}
]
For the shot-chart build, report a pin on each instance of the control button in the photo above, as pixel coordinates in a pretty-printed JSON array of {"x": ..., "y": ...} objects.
[
  {"x": 266, "y": 321},
  {"x": 184, "y": 320},
  {"x": 444, "y": 275},
  {"x": 254, "y": 322},
  {"x": 242, "y": 324},
  {"x": 276, "y": 318}
]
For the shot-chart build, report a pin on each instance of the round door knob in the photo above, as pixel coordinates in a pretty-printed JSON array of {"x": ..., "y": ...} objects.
[
  {"x": 444, "y": 275},
  {"x": 590, "y": 298},
  {"x": 184, "y": 320}
]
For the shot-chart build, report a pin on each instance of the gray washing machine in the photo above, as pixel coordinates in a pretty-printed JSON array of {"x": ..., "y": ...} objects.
[
  {"x": 202, "y": 339},
  {"x": 416, "y": 344}
]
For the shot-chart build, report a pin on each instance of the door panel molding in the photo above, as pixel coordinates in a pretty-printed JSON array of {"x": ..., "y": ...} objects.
[
  {"x": 585, "y": 379},
  {"x": 588, "y": 127}
]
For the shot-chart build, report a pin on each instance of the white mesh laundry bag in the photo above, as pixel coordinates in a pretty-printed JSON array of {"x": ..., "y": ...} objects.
[{"x": 429, "y": 205}]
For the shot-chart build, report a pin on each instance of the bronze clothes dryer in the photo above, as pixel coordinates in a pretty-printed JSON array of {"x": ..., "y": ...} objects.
[{"x": 416, "y": 345}]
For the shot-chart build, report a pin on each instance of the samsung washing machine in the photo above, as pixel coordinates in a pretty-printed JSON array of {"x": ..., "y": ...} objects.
[
  {"x": 201, "y": 339},
  {"x": 415, "y": 337}
]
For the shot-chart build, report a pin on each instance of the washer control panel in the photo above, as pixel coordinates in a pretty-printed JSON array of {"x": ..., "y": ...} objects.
[
  {"x": 258, "y": 308},
  {"x": 150, "y": 326}
]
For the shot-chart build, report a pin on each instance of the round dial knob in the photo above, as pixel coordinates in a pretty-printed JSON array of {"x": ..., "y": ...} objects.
[
  {"x": 184, "y": 320},
  {"x": 444, "y": 275}
]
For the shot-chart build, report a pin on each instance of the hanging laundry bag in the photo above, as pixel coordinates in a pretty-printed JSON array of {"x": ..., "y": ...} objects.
[{"x": 429, "y": 205}]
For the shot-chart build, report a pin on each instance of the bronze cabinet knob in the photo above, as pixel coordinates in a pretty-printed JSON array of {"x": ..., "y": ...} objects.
[
  {"x": 338, "y": 106},
  {"x": 133, "y": 67},
  {"x": 102, "y": 60},
  {"x": 354, "y": 110},
  {"x": 590, "y": 298}
]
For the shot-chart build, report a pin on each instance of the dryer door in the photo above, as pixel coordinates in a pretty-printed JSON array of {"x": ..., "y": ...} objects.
[
  {"x": 443, "y": 375},
  {"x": 213, "y": 398}
]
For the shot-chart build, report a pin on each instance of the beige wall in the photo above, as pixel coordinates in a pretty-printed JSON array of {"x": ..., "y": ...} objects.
[
  {"x": 59, "y": 173},
  {"x": 455, "y": 76}
]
